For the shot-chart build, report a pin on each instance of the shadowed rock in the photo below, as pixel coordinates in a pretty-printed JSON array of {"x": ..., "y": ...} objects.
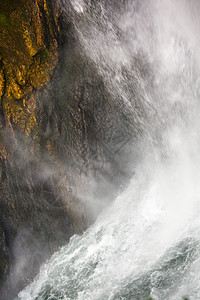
[{"x": 60, "y": 127}]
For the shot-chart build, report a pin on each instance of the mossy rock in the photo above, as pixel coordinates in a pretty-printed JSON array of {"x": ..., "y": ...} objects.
[{"x": 28, "y": 55}]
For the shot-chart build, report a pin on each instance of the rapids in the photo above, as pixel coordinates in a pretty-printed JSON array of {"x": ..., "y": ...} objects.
[{"x": 146, "y": 243}]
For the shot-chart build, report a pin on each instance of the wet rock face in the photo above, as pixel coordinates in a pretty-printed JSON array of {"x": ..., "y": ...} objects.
[
  {"x": 28, "y": 54},
  {"x": 29, "y": 40},
  {"x": 60, "y": 128},
  {"x": 4, "y": 257}
]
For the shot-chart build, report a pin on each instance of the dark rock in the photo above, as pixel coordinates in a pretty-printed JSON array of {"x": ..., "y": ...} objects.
[{"x": 60, "y": 127}]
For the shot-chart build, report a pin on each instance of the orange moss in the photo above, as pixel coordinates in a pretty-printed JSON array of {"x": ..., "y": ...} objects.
[{"x": 27, "y": 62}]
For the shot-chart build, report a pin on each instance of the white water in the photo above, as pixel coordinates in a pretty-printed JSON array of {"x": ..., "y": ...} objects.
[{"x": 147, "y": 243}]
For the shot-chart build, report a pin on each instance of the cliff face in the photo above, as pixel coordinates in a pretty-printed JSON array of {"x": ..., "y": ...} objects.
[
  {"x": 59, "y": 126},
  {"x": 28, "y": 54}
]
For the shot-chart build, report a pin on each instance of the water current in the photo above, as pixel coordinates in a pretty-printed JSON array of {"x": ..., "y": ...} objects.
[{"x": 146, "y": 243}]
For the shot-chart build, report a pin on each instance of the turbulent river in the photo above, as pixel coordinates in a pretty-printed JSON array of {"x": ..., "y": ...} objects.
[{"x": 146, "y": 243}]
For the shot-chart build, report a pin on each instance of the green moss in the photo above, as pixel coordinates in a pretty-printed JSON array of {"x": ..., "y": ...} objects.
[{"x": 3, "y": 20}]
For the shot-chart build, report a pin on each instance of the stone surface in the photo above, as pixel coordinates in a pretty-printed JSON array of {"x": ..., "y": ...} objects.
[
  {"x": 29, "y": 36},
  {"x": 59, "y": 128}
]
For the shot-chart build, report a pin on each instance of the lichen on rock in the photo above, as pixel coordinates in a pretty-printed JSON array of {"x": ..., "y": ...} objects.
[
  {"x": 59, "y": 125},
  {"x": 28, "y": 53},
  {"x": 28, "y": 56}
]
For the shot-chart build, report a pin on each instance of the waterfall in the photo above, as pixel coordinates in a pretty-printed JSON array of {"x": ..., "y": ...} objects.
[{"x": 146, "y": 243}]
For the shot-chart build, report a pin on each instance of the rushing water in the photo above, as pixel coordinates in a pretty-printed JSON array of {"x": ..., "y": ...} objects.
[{"x": 147, "y": 242}]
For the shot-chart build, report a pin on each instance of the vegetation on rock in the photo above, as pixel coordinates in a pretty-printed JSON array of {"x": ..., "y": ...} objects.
[
  {"x": 58, "y": 125},
  {"x": 28, "y": 54}
]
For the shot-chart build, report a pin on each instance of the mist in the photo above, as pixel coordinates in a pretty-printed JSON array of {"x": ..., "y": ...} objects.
[{"x": 144, "y": 241}]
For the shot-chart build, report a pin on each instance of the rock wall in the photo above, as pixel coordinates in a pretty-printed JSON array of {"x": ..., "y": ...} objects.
[
  {"x": 29, "y": 40},
  {"x": 60, "y": 127}
]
